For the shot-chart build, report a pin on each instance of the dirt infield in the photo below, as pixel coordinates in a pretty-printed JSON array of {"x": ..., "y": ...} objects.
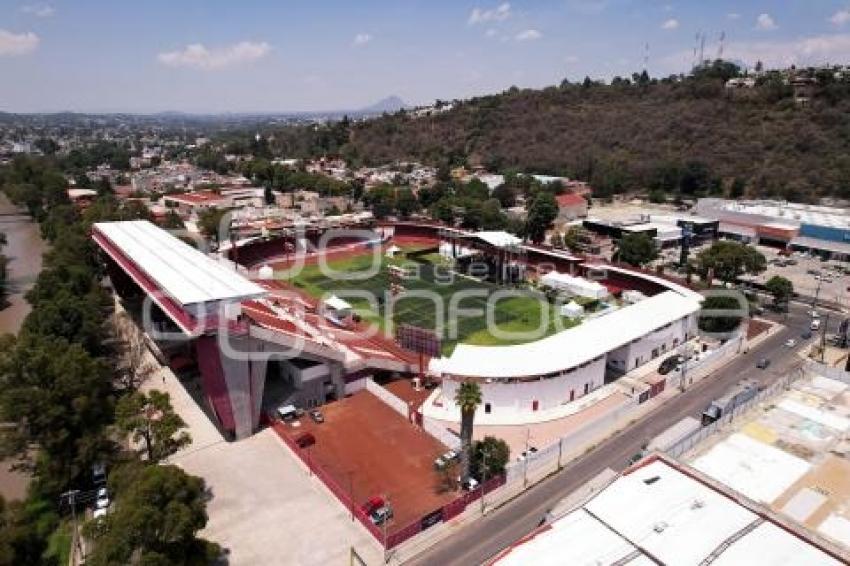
[{"x": 372, "y": 450}]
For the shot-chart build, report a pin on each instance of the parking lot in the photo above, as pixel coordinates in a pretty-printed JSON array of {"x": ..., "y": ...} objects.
[
  {"x": 372, "y": 451},
  {"x": 807, "y": 273}
]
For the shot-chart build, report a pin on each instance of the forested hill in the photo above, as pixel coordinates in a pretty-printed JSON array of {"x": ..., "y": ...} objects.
[{"x": 690, "y": 136}]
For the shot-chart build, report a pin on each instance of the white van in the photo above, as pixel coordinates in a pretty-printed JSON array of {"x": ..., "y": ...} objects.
[
  {"x": 287, "y": 412},
  {"x": 815, "y": 324}
]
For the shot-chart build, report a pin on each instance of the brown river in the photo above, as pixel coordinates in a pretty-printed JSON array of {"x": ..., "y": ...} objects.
[{"x": 24, "y": 249}]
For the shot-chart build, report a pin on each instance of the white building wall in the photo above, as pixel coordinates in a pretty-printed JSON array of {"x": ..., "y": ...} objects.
[
  {"x": 653, "y": 345},
  {"x": 511, "y": 402}
]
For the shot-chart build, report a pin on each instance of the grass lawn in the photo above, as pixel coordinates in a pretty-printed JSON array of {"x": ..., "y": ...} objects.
[{"x": 511, "y": 314}]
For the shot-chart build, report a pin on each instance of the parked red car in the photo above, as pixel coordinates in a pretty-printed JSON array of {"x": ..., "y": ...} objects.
[{"x": 374, "y": 503}]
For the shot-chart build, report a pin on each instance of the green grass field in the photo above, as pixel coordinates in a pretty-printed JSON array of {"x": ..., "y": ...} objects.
[{"x": 511, "y": 314}]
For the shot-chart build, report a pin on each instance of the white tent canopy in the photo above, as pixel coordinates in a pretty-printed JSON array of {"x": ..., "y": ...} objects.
[
  {"x": 575, "y": 285},
  {"x": 336, "y": 304},
  {"x": 572, "y": 310},
  {"x": 392, "y": 250},
  {"x": 266, "y": 272}
]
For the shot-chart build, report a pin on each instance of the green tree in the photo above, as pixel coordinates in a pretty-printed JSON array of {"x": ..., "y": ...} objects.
[
  {"x": 151, "y": 419},
  {"x": 730, "y": 260},
  {"x": 172, "y": 221},
  {"x": 155, "y": 519},
  {"x": 636, "y": 249},
  {"x": 781, "y": 288},
  {"x": 541, "y": 213},
  {"x": 467, "y": 398},
  {"x": 210, "y": 221},
  {"x": 489, "y": 457},
  {"x": 720, "y": 314},
  {"x": 60, "y": 399}
]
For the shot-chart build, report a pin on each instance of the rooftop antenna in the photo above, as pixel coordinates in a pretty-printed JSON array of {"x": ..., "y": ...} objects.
[
  {"x": 696, "y": 43},
  {"x": 720, "y": 46}
]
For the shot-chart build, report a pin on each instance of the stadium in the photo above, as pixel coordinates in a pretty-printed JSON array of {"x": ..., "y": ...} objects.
[{"x": 532, "y": 361}]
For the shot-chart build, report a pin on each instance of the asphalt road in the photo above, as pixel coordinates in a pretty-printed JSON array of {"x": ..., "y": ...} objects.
[{"x": 483, "y": 539}]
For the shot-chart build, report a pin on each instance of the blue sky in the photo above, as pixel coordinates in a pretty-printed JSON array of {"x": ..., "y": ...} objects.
[{"x": 278, "y": 55}]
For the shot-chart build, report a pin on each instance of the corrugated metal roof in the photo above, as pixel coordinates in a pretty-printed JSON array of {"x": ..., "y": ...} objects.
[{"x": 181, "y": 271}]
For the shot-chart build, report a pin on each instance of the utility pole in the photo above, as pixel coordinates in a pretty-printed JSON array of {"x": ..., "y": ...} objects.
[
  {"x": 525, "y": 467},
  {"x": 71, "y": 496},
  {"x": 560, "y": 451},
  {"x": 384, "y": 529},
  {"x": 823, "y": 338},
  {"x": 483, "y": 477},
  {"x": 351, "y": 493}
]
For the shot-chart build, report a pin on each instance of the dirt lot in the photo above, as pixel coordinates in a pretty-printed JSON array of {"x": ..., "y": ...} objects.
[
  {"x": 403, "y": 389},
  {"x": 368, "y": 447}
]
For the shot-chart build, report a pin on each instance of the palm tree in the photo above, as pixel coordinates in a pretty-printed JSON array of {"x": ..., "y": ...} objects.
[{"x": 467, "y": 397}]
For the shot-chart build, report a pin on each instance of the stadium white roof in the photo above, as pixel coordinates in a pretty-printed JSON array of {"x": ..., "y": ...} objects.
[
  {"x": 658, "y": 512},
  {"x": 182, "y": 272},
  {"x": 498, "y": 238},
  {"x": 569, "y": 348}
]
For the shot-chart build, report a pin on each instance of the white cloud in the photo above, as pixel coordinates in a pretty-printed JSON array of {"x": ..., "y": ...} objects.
[
  {"x": 571, "y": 59},
  {"x": 39, "y": 10},
  {"x": 498, "y": 14},
  {"x": 765, "y": 22},
  {"x": 362, "y": 39},
  {"x": 813, "y": 50},
  {"x": 491, "y": 32},
  {"x": 733, "y": 16},
  {"x": 200, "y": 57},
  {"x": 672, "y": 23},
  {"x": 528, "y": 35},
  {"x": 12, "y": 44},
  {"x": 840, "y": 17}
]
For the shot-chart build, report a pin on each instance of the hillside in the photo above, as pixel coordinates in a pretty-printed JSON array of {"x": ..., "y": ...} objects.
[{"x": 686, "y": 137}]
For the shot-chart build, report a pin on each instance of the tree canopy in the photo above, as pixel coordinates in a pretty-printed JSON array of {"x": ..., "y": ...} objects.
[
  {"x": 780, "y": 288},
  {"x": 729, "y": 260},
  {"x": 155, "y": 519},
  {"x": 636, "y": 249}
]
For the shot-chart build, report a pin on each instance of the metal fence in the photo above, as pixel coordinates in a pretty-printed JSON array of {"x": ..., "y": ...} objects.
[
  {"x": 824, "y": 370},
  {"x": 685, "y": 444}
]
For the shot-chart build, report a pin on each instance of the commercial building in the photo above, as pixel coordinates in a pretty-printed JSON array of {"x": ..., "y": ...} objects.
[
  {"x": 819, "y": 229},
  {"x": 664, "y": 513},
  {"x": 665, "y": 230}
]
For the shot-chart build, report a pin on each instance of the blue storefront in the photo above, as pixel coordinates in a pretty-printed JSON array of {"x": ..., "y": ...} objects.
[{"x": 829, "y": 233}]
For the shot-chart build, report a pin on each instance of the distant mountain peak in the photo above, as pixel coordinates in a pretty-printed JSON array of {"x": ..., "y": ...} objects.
[{"x": 389, "y": 104}]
